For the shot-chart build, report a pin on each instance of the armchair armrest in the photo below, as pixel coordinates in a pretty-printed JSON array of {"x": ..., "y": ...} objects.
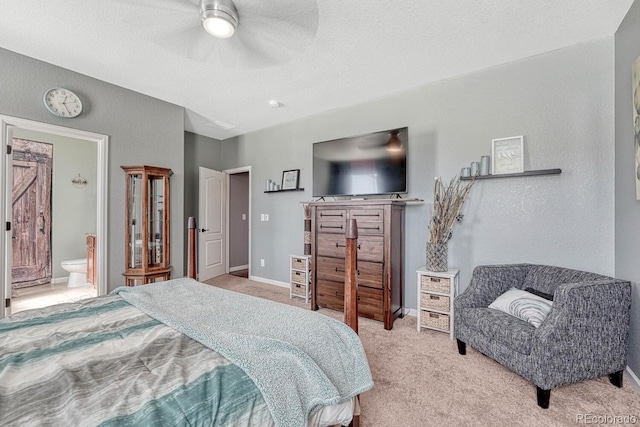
[
  {"x": 588, "y": 324},
  {"x": 490, "y": 281},
  {"x": 599, "y": 306}
]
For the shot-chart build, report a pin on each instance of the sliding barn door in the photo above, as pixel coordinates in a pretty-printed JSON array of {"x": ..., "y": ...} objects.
[{"x": 31, "y": 209}]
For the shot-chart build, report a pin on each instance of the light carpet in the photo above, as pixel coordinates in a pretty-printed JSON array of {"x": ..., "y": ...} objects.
[{"x": 421, "y": 380}]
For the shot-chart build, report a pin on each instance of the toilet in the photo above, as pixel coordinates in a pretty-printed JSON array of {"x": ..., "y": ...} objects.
[{"x": 77, "y": 269}]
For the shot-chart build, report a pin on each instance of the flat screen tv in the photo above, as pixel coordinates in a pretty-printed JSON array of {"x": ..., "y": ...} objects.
[{"x": 370, "y": 164}]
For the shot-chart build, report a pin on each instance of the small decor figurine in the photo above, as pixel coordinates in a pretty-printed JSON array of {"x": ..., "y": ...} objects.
[{"x": 447, "y": 207}]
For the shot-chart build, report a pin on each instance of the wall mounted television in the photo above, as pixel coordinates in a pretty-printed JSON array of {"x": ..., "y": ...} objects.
[{"x": 375, "y": 163}]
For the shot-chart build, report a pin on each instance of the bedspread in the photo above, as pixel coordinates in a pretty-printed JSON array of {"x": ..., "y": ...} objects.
[
  {"x": 299, "y": 359},
  {"x": 104, "y": 362}
]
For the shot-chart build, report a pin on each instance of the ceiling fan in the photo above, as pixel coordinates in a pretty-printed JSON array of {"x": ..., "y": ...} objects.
[{"x": 248, "y": 33}]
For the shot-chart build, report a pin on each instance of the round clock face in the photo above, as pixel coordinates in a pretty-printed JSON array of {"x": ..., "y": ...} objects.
[{"x": 62, "y": 102}]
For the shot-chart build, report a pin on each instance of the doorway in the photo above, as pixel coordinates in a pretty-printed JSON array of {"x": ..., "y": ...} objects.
[
  {"x": 9, "y": 127},
  {"x": 238, "y": 224},
  {"x": 239, "y": 221}
]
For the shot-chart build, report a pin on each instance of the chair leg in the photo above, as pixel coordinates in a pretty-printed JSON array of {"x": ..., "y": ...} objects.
[
  {"x": 543, "y": 397},
  {"x": 462, "y": 347},
  {"x": 616, "y": 379}
]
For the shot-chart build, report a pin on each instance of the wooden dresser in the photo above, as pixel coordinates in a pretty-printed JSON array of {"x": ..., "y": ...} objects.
[{"x": 380, "y": 256}]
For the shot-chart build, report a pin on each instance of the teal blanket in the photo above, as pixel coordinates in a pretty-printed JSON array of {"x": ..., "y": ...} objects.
[{"x": 299, "y": 359}]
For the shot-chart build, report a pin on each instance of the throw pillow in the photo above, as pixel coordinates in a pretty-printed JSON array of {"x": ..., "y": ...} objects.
[
  {"x": 523, "y": 305},
  {"x": 540, "y": 293}
]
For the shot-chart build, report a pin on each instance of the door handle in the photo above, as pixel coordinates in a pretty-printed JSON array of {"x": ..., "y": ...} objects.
[{"x": 202, "y": 230}]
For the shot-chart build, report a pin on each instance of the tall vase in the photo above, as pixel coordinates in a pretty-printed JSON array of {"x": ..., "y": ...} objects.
[{"x": 437, "y": 254}]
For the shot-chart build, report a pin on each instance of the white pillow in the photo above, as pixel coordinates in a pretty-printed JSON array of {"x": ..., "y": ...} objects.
[{"x": 523, "y": 305}]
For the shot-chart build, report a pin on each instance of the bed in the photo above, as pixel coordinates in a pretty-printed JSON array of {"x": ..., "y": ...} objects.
[{"x": 178, "y": 353}]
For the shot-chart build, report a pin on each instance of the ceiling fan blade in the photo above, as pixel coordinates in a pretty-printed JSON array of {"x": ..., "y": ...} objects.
[{"x": 164, "y": 5}]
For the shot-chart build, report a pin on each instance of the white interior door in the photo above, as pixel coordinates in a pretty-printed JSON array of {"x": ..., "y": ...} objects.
[{"x": 212, "y": 227}]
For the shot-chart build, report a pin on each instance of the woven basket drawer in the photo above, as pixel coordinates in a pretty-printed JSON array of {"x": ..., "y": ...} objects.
[
  {"x": 435, "y": 284},
  {"x": 434, "y": 320},
  {"x": 298, "y": 263},
  {"x": 435, "y": 302},
  {"x": 298, "y": 289},
  {"x": 299, "y": 276}
]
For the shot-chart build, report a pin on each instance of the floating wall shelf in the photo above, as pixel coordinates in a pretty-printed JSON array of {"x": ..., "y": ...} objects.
[
  {"x": 516, "y": 175},
  {"x": 290, "y": 189}
]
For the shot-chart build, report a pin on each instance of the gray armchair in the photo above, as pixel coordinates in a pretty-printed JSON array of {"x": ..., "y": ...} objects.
[{"x": 585, "y": 335}]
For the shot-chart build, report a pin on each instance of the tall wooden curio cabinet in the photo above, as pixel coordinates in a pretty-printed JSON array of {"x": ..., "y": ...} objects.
[{"x": 147, "y": 230}]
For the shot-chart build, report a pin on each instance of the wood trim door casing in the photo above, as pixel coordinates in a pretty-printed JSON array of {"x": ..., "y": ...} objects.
[{"x": 7, "y": 124}]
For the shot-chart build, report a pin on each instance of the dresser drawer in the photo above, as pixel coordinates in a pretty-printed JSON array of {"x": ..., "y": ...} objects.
[
  {"x": 439, "y": 321},
  {"x": 369, "y": 273},
  {"x": 435, "y": 302},
  {"x": 370, "y": 303},
  {"x": 370, "y": 248},
  {"x": 369, "y": 221},
  {"x": 299, "y": 289},
  {"x": 298, "y": 263},
  {"x": 435, "y": 284},
  {"x": 331, "y": 220},
  {"x": 299, "y": 276},
  {"x": 331, "y": 295}
]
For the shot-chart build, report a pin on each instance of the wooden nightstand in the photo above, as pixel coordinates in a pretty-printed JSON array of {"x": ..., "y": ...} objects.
[{"x": 436, "y": 291}]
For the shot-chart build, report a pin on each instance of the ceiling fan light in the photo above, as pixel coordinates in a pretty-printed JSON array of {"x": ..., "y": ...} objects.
[
  {"x": 219, "y": 17},
  {"x": 394, "y": 145},
  {"x": 218, "y": 27}
]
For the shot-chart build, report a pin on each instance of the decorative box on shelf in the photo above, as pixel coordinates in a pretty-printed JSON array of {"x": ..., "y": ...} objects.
[
  {"x": 300, "y": 266},
  {"x": 436, "y": 291}
]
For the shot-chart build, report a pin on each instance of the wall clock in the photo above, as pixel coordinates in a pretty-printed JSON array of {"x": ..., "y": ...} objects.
[{"x": 62, "y": 102}]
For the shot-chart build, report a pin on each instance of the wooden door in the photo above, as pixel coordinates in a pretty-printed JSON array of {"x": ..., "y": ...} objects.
[
  {"x": 31, "y": 206},
  {"x": 212, "y": 243}
]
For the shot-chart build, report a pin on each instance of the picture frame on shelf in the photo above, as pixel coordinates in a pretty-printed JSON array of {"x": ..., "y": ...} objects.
[
  {"x": 290, "y": 179},
  {"x": 507, "y": 155}
]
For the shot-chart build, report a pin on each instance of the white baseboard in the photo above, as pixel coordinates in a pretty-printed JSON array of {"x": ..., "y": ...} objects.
[
  {"x": 238, "y": 268},
  {"x": 635, "y": 382},
  {"x": 410, "y": 312},
  {"x": 270, "y": 281},
  {"x": 59, "y": 280}
]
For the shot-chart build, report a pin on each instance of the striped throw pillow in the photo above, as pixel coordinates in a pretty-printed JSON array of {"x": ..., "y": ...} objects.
[{"x": 523, "y": 305}]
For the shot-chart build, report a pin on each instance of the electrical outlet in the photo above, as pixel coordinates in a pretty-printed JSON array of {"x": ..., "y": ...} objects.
[
  {"x": 261, "y": 263},
  {"x": 244, "y": 217},
  {"x": 266, "y": 217},
  {"x": 261, "y": 217}
]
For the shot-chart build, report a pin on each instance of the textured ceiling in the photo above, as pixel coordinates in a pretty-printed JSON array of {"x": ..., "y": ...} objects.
[{"x": 312, "y": 56}]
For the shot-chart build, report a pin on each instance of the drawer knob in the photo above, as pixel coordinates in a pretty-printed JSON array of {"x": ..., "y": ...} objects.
[{"x": 324, "y": 214}]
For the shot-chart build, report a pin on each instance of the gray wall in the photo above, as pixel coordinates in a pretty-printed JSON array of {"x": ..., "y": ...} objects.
[
  {"x": 198, "y": 151},
  {"x": 73, "y": 212},
  {"x": 627, "y": 208},
  {"x": 561, "y": 101},
  {"x": 238, "y": 227},
  {"x": 141, "y": 129}
]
